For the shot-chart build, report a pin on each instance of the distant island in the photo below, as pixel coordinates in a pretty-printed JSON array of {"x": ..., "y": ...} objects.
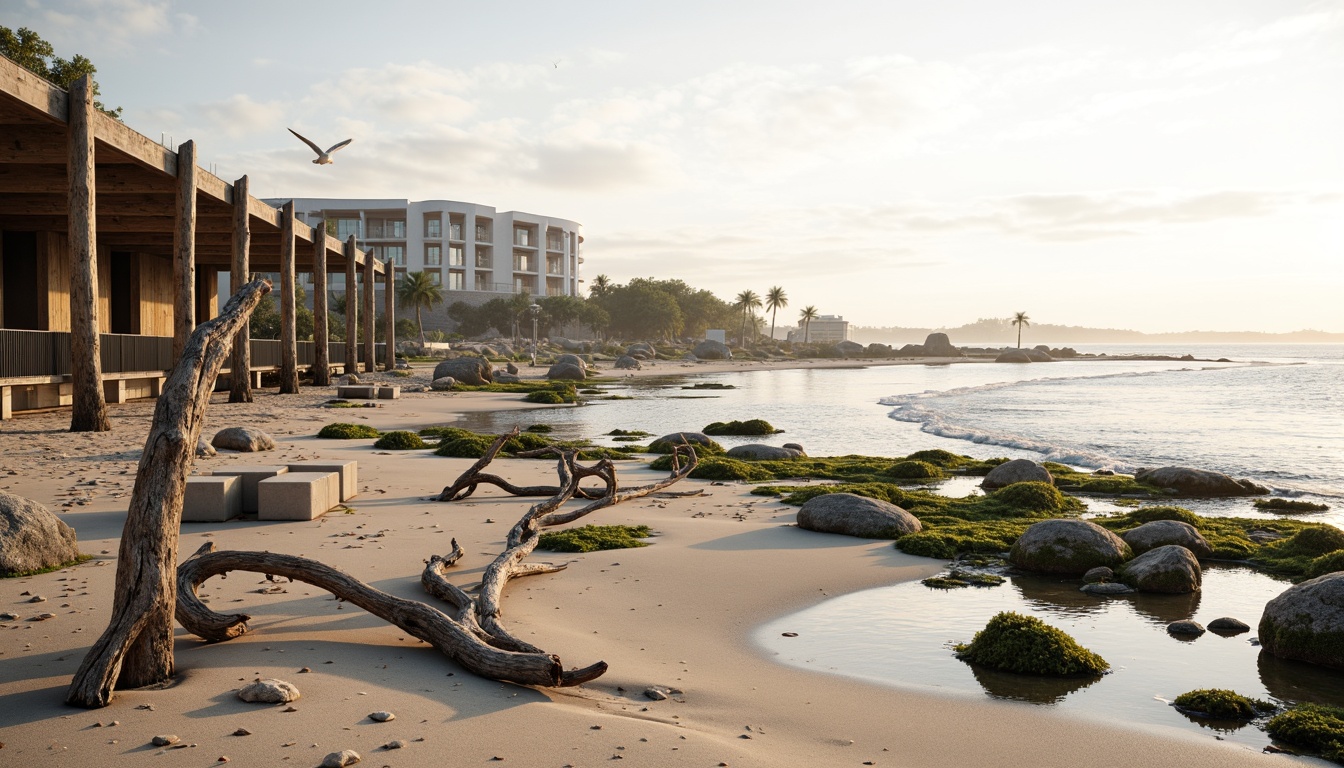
[{"x": 1001, "y": 332}]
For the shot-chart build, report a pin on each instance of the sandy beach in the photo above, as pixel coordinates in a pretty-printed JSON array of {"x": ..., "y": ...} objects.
[{"x": 679, "y": 613}]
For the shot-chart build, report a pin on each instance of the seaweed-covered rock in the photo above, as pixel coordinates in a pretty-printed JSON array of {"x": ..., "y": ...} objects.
[
  {"x": 1069, "y": 547},
  {"x": 1012, "y": 642},
  {"x": 641, "y": 350},
  {"x": 1098, "y": 575},
  {"x": 1221, "y": 704},
  {"x": 761, "y": 452},
  {"x": 572, "y": 360},
  {"x": 665, "y": 443},
  {"x": 939, "y": 345},
  {"x": 878, "y": 350},
  {"x": 1016, "y": 471},
  {"x": 848, "y": 349},
  {"x": 32, "y": 538},
  {"x": 1306, "y": 622},
  {"x": 627, "y": 363},
  {"x": 913, "y": 470},
  {"x": 1014, "y": 356},
  {"x": 1162, "y": 532},
  {"x": 1188, "y": 481},
  {"x": 1313, "y": 727},
  {"x": 473, "y": 371},
  {"x": 740, "y": 428},
  {"x": 712, "y": 350},
  {"x": 246, "y": 439},
  {"x": 856, "y": 516},
  {"x": 1169, "y": 568},
  {"x": 566, "y": 372}
]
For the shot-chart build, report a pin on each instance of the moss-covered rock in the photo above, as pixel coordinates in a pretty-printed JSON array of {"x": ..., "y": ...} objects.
[
  {"x": 914, "y": 470},
  {"x": 1033, "y": 497},
  {"x": 1306, "y": 622},
  {"x": 592, "y": 538},
  {"x": 1162, "y": 532},
  {"x": 1289, "y": 506},
  {"x": 1325, "y": 564},
  {"x": 702, "y": 443},
  {"x": 1012, "y": 642},
  {"x": 1312, "y": 541},
  {"x": 852, "y": 515},
  {"x": 1222, "y": 704},
  {"x": 1170, "y": 569},
  {"x": 1016, "y": 471},
  {"x": 750, "y": 427},
  {"x": 719, "y": 468},
  {"x": 400, "y": 440},
  {"x": 946, "y": 538},
  {"x": 342, "y": 431},
  {"x": 1312, "y": 727},
  {"x": 1070, "y": 547}
]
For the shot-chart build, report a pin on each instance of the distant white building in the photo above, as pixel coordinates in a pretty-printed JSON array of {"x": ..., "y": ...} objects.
[
  {"x": 825, "y": 328},
  {"x": 465, "y": 247}
]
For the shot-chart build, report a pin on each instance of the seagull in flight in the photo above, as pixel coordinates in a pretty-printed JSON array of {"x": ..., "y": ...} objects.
[{"x": 323, "y": 158}]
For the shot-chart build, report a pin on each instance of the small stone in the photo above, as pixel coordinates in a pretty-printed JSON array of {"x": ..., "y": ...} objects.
[
  {"x": 398, "y": 744},
  {"x": 304, "y": 670},
  {"x": 594, "y": 727},
  {"x": 290, "y": 709},
  {"x": 37, "y": 599},
  {"x": 1193, "y": 628},
  {"x": 1229, "y": 625},
  {"x": 242, "y": 732},
  {"x": 340, "y": 759},
  {"x": 1098, "y": 574},
  {"x": 381, "y": 716},
  {"x": 8, "y": 616},
  {"x": 268, "y": 691},
  {"x": 222, "y": 759},
  {"x": 656, "y": 692},
  {"x": 164, "y": 740},
  {"x": 43, "y": 617}
]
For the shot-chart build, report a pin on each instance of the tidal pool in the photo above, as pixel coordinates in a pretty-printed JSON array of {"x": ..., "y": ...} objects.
[{"x": 903, "y": 635}]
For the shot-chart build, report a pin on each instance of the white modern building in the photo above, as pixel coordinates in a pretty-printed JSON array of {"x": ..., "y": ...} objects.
[
  {"x": 467, "y": 248},
  {"x": 825, "y": 328}
]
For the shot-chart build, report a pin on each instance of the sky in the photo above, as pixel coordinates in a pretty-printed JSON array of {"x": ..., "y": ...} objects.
[{"x": 1153, "y": 165}]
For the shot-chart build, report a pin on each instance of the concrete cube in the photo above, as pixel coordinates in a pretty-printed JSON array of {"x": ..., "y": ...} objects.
[
  {"x": 212, "y": 499},
  {"x": 348, "y": 471},
  {"x": 251, "y": 475},
  {"x": 356, "y": 391},
  {"x": 389, "y": 393},
  {"x": 297, "y": 495}
]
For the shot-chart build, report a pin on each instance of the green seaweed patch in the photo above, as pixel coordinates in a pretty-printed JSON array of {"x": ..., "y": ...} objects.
[
  {"x": 1012, "y": 642},
  {"x": 39, "y": 571},
  {"x": 629, "y": 433},
  {"x": 1312, "y": 541},
  {"x": 661, "y": 446},
  {"x": 946, "y": 537},
  {"x": 594, "y": 538},
  {"x": 710, "y": 385},
  {"x": 718, "y": 468},
  {"x": 343, "y": 431},
  {"x": 914, "y": 469},
  {"x": 750, "y": 427},
  {"x": 1069, "y": 479},
  {"x": 400, "y": 440},
  {"x": 941, "y": 458},
  {"x": 1222, "y": 704},
  {"x": 1312, "y": 727},
  {"x": 590, "y": 391},
  {"x": 548, "y": 397},
  {"x": 957, "y": 579},
  {"x": 1289, "y": 506},
  {"x": 538, "y": 428},
  {"x": 347, "y": 404},
  {"x": 1036, "y": 497},
  {"x": 465, "y": 444},
  {"x": 627, "y": 439},
  {"x": 519, "y": 387},
  {"x": 1325, "y": 564}
]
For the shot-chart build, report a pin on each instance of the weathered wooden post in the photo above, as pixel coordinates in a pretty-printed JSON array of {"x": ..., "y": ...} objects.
[
  {"x": 321, "y": 358},
  {"x": 289, "y": 351},
  {"x": 184, "y": 248},
  {"x": 240, "y": 365},
  {"x": 88, "y": 411},
  {"x": 390, "y": 313},
  {"x": 351, "y": 309},
  {"x": 370, "y": 289}
]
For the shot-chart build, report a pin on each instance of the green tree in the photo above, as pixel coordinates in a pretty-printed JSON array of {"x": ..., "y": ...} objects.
[
  {"x": 600, "y": 288},
  {"x": 559, "y": 311},
  {"x": 27, "y": 49},
  {"x": 418, "y": 291},
  {"x": 643, "y": 310},
  {"x": 1020, "y": 319},
  {"x": 747, "y": 302},
  {"x": 775, "y": 300},
  {"x": 806, "y": 317}
]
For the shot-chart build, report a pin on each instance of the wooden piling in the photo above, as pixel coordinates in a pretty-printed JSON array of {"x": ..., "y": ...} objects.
[
  {"x": 351, "y": 309},
  {"x": 390, "y": 315},
  {"x": 240, "y": 364},
  {"x": 88, "y": 408},
  {"x": 370, "y": 289},
  {"x": 289, "y": 350},
  {"x": 321, "y": 357},
  {"x": 184, "y": 249}
]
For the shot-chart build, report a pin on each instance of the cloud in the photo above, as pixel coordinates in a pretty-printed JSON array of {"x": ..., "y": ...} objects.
[
  {"x": 240, "y": 115},
  {"x": 116, "y": 24}
]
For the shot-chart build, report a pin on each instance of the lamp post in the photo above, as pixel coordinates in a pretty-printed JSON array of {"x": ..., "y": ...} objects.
[{"x": 535, "y": 309}]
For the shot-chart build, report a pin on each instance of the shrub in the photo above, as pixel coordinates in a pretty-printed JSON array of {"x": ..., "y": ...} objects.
[
  {"x": 1032, "y": 497},
  {"x": 592, "y": 538},
  {"x": 749, "y": 427},
  {"x": 1024, "y": 644},
  {"x": 1289, "y": 506},
  {"x": 1311, "y": 726},
  {"x": 341, "y": 431},
  {"x": 400, "y": 440},
  {"x": 1222, "y": 704},
  {"x": 913, "y": 470}
]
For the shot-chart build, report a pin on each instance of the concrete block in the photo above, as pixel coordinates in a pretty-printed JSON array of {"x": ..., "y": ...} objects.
[
  {"x": 389, "y": 393},
  {"x": 297, "y": 495},
  {"x": 356, "y": 391},
  {"x": 347, "y": 470},
  {"x": 251, "y": 475},
  {"x": 212, "y": 498}
]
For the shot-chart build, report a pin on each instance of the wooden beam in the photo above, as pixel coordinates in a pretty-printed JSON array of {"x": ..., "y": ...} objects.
[
  {"x": 140, "y": 204},
  {"x": 88, "y": 412},
  {"x": 33, "y": 92},
  {"x": 109, "y": 223},
  {"x": 289, "y": 350},
  {"x": 351, "y": 309},
  {"x": 184, "y": 250},
  {"x": 370, "y": 291},
  {"x": 390, "y": 316},
  {"x": 50, "y": 178},
  {"x": 321, "y": 358},
  {"x": 240, "y": 365}
]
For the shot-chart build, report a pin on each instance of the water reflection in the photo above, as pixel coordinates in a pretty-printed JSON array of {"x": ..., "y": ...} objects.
[
  {"x": 1057, "y": 595},
  {"x": 1164, "y": 609},
  {"x": 1030, "y": 688},
  {"x": 1221, "y": 726},
  {"x": 1299, "y": 681}
]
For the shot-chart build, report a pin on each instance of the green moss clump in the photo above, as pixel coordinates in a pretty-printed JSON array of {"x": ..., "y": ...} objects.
[
  {"x": 400, "y": 440},
  {"x": 465, "y": 444},
  {"x": 718, "y": 468},
  {"x": 341, "y": 431},
  {"x": 801, "y": 494},
  {"x": 39, "y": 571},
  {"x": 538, "y": 428},
  {"x": 590, "y": 391},
  {"x": 913, "y": 469},
  {"x": 1222, "y": 704},
  {"x": 1162, "y": 512},
  {"x": 629, "y": 433},
  {"x": 1289, "y": 506},
  {"x": 1325, "y": 564},
  {"x": 547, "y": 397},
  {"x": 749, "y": 427},
  {"x": 1313, "y": 727},
  {"x": 660, "y": 446},
  {"x": 1012, "y": 642},
  {"x": 710, "y": 385},
  {"x": 956, "y": 579},
  {"x": 1033, "y": 497},
  {"x": 592, "y": 538},
  {"x": 1312, "y": 541},
  {"x": 946, "y": 538},
  {"x": 940, "y": 458}
]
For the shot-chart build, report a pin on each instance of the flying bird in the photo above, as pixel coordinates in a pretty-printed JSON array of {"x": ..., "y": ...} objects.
[{"x": 323, "y": 158}]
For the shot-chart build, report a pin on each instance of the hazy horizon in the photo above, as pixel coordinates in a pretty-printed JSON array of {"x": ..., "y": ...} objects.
[{"x": 1150, "y": 166}]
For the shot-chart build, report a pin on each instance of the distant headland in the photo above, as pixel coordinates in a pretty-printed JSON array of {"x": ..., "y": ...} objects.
[{"x": 1002, "y": 331}]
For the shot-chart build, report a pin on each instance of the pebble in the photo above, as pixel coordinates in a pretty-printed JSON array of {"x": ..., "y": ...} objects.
[
  {"x": 1229, "y": 624},
  {"x": 340, "y": 759},
  {"x": 242, "y": 732},
  {"x": 8, "y": 616},
  {"x": 43, "y": 617},
  {"x": 398, "y": 744},
  {"x": 381, "y": 716},
  {"x": 1185, "y": 628},
  {"x": 656, "y": 692},
  {"x": 304, "y": 670},
  {"x": 37, "y": 599},
  {"x": 164, "y": 740}
]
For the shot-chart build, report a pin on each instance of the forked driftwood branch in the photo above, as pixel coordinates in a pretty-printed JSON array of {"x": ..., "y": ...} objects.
[
  {"x": 466, "y": 483},
  {"x": 471, "y": 631}
]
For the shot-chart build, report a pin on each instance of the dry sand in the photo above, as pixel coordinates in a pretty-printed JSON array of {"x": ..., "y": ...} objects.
[{"x": 679, "y": 613}]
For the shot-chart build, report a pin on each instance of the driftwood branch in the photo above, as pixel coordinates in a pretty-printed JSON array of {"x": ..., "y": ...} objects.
[
  {"x": 470, "y": 631},
  {"x": 466, "y": 483}
]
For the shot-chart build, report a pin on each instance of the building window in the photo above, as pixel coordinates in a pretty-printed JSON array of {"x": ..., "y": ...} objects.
[
  {"x": 397, "y": 253},
  {"x": 524, "y": 285},
  {"x": 555, "y": 241},
  {"x": 435, "y": 276},
  {"x": 387, "y": 228},
  {"x": 455, "y": 230},
  {"x": 342, "y": 229},
  {"x": 553, "y": 265},
  {"x": 433, "y": 255},
  {"x": 457, "y": 281},
  {"x": 482, "y": 233},
  {"x": 483, "y": 283},
  {"x": 433, "y": 228},
  {"x": 483, "y": 257},
  {"x": 457, "y": 256},
  {"x": 524, "y": 262},
  {"x": 522, "y": 236}
]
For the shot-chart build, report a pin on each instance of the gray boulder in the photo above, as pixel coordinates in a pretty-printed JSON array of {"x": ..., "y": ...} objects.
[
  {"x": 761, "y": 452},
  {"x": 641, "y": 351},
  {"x": 569, "y": 345},
  {"x": 567, "y": 371},
  {"x": 1226, "y": 625},
  {"x": 849, "y": 349},
  {"x": 268, "y": 691},
  {"x": 681, "y": 438},
  {"x": 911, "y": 350},
  {"x": 203, "y": 448},
  {"x": 1170, "y": 568},
  {"x": 1016, "y": 471},
  {"x": 246, "y": 439},
  {"x": 878, "y": 350},
  {"x": 627, "y": 363},
  {"x": 572, "y": 360},
  {"x": 1188, "y": 481},
  {"x": 32, "y": 538},
  {"x": 1014, "y": 356},
  {"x": 444, "y": 384},
  {"x": 1070, "y": 547},
  {"x": 856, "y": 516},
  {"x": 473, "y": 371},
  {"x": 507, "y": 378},
  {"x": 939, "y": 345},
  {"x": 1162, "y": 532},
  {"x": 1038, "y": 356},
  {"x": 1306, "y": 622},
  {"x": 1099, "y": 574},
  {"x": 1107, "y": 588},
  {"x": 1187, "y": 628},
  {"x": 712, "y": 350},
  {"x": 511, "y": 368},
  {"x": 797, "y": 447}
]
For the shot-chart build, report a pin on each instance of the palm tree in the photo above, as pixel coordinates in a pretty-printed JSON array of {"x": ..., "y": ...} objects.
[
  {"x": 808, "y": 314},
  {"x": 1020, "y": 319},
  {"x": 775, "y": 300},
  {"x": 418, "y": 290},
  {"x": 601, "y": 287},
  {"x": 746, "y": 301}
]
